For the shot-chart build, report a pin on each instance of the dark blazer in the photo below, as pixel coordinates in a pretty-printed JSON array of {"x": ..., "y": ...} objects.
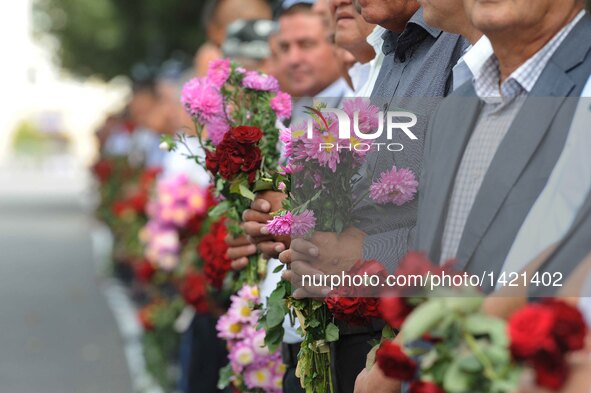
[{"x": 520, "y": 168}]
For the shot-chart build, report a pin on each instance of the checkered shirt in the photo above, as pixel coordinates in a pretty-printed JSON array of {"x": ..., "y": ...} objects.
[{"x": 500, "y": 107}]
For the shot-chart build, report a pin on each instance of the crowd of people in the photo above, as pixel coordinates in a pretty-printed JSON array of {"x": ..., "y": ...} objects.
[{"x": 496, "y": 153}]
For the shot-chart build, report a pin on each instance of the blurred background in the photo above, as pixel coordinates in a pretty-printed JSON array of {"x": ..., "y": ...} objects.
[{"x": 81, "y": 80}]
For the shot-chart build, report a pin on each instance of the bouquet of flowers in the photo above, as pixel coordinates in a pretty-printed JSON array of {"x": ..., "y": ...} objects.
[
  {"x": 468, "y": 350},
  {"x": 235, "y": 113},
  {"x": 252, "y": 367},
  {"x": 177, "y": 212},
  {"x": 321, "y": 199}
]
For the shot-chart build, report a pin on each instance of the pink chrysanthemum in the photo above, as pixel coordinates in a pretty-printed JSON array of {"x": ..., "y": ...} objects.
[
  {"x": 229, "y": 328},
  {"x": 397, "y": 186},
  {"x": 366, "y": 112},
  {"x": 241, "y": 356},
  {"x": 250, "y": 293},
  {"x": 281, "y": 104},
  {"x": 202, "y": 99},
  {"x": 255, "y": 81},
  {"x": 302, "y": 224},
  {"x": 217, "y": 127},
  {"x": 280, "y": 225},
  {"x": 218, "y": 71},
  {"x": 285, "y": 138}
]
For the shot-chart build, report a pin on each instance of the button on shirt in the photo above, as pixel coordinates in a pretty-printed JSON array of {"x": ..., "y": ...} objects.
[{"x": 500, "y": 107}]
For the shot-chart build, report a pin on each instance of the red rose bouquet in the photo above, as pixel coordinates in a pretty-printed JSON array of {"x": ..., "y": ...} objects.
[
  {"x": 236, "y": 113},
  {"x": 470, "y": 351}
]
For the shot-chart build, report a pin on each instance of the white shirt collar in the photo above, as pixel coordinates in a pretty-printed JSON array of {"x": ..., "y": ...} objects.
[
  {"x": 375, "y": 38},
  {"x": 523, "y": 79}
]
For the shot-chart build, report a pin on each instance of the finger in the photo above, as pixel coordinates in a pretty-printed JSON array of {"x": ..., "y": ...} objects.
[
  {"x": 271, "y": 249},
  {"x": 242, "y": 251},
  {"x": 253, "y": 215},
  {"x": 304, "y": 247},
  {"x": 285, "y": 257},
  {"x": 260, "y": 239},
  {"x": 261, "y": 205},
  {"x": 254, "y": 228},
  {"x": 311, "y": 279},
  {"x": 239, "y": 264},
  {"x": 232, "y": 241}
]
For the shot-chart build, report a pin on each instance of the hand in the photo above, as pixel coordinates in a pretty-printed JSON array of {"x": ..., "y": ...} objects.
[
  {"x": 255, "y": 220},
  {"x": 325, "y": 253},
  {"x": 239, "y": 249},
  {"x": 374, "y": 381}
]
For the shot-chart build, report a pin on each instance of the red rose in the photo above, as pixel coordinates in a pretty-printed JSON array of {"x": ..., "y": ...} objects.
[
  {"x": 252, "y": 159},
  {"x": 394, "y": 363},
  {"x": 551, "y": 370},
  {"x": 211, "y": 162},
  {"x": 144, "y": 271},
  {"x": 394, "y": 310},
  {"x": 570, "y": 328},
  {"x": 230, "y": 155},
  {"x": 530, "y": 331},
  {"x": 246, "y": 134},
  {"x": 424, "y": 387},
  {"x": 103, "y": 170},
  {"x": 194, "y": 291}
]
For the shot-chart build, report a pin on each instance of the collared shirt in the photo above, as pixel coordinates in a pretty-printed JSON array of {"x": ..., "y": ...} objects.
[
  {"x": 498, "y": 112},
  {"x": 415, "y": 73},
  {"x": 417, "y": 62},
  {"x": 557, "y": 206},
  {"x": 364, "y": 76},
  {"x": 471, "y": 63}
]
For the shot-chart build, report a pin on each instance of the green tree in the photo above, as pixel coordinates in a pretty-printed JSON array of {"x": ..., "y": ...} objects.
[{"x": 110, "y": 37}]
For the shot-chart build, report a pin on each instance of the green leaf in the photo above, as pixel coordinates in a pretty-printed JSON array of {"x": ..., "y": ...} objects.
[
  {"x": 274, "y": 337},
  {"x": 275, "y": 314},
  {"x": 332, "y": 332},
  {"x": 245, "y": 191},
  {"x": 263, "y": 184},
  {"x": 278, "y": 269},
  {"x": 456, "y": 380},
  {"x": 496, "y": 329},
  {"x": 464, "y": 305},
  {"x": 226, "y": 374},
  {"x": 470, "y": 364},
  {"x": 371, "y": 357},
  {"x": 422, "y": 319},
  {"x": 220, "y": 209}
]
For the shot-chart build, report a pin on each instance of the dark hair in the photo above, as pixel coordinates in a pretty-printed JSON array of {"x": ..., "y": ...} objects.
[{"x": 298, "y": 8}]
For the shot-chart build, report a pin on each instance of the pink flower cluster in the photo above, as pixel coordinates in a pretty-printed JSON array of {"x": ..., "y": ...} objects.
[
  {"x": 281, "y": 104},
  {"x": 396, "y": 186},
  {"x": 250, "y": 359},
  {"x": 256, "y": 81},
  {"x": 177, "y": 201},
  {"x": 295, "y": 225}
]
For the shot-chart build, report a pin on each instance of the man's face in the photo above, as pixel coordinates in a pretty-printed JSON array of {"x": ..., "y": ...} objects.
[
  {"x": 491, "y": 16},
  {"x": 305, "y": 55},
  {"x": 381, "y": 12},
  {"x": 444, "y": 14},
  {"x": 351, "y": 29}
]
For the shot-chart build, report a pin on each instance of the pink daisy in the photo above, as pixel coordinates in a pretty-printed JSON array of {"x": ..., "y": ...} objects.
[
  {"x": 302, "y": 224},
  {"x": 280, "y": 225}
]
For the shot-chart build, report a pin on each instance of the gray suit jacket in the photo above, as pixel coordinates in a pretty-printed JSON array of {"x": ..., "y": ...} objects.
[
  {"x": 520, "y": 168},
  {"x": 569, "y": 253}
]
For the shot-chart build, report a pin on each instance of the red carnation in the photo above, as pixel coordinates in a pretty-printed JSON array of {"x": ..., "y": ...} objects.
[
  {"x": 213, "y": 250},
  {"x": 570, "y": 328},
  {"x": 394, "y": 310},
  {"x": 103, "y": 170},
  {"x": 394, "y": 363},
  {"x": 424, "y": 387},
  {"x": 194, "y": 291},
  {"x": 551, "y": 370},
  {"x": 530, "y": 331},
  {"x": 246, "y": 134}
]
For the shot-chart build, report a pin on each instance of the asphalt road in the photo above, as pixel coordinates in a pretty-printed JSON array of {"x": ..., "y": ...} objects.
[{"x": 57, "y": 334}]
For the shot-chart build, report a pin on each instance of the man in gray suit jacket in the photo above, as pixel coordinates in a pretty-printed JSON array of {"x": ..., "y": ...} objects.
[{"x": 493, "y": 144}]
